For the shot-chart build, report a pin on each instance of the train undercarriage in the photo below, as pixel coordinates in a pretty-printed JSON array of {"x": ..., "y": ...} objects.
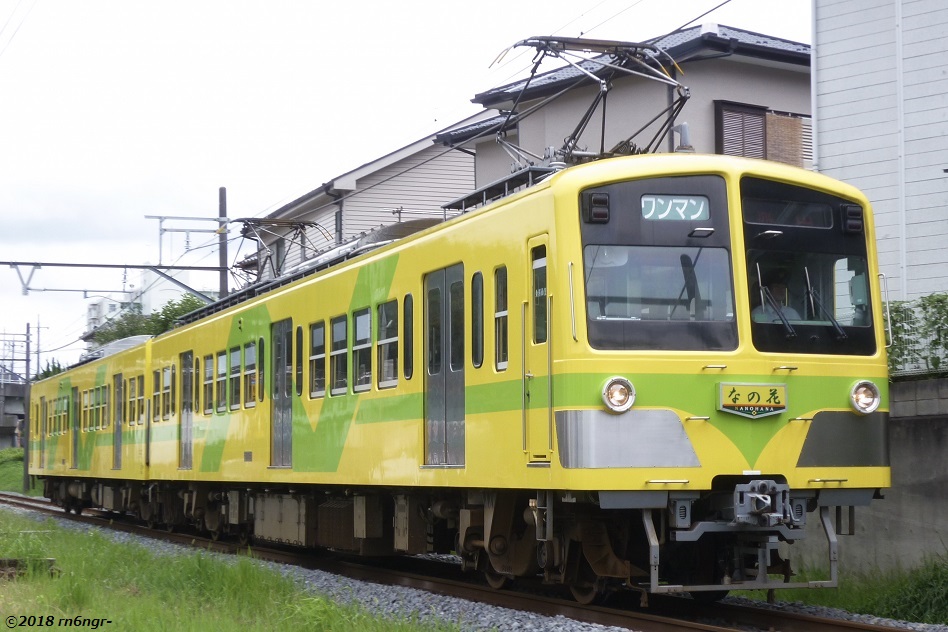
[{"x": 593, "y": 543}]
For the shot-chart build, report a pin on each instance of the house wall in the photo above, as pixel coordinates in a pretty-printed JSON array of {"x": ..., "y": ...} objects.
[
  {"x": 419, "y": 184},
  {"x": 881, "y": 97}
]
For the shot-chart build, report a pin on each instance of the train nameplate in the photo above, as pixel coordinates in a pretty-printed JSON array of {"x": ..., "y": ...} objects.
[{"x": 752, "y": 400}]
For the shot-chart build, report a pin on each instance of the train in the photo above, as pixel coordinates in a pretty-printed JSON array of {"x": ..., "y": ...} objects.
[{"x": 643, "y": 373}]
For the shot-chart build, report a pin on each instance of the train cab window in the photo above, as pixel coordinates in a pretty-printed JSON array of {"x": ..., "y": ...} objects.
[
  {"x": 174, "y": 388},
  {"x": 362, "y": 350},
  {"x": 388, "y": 344},
  {"x": 317, "y": 359},
  {"x": 250, "y": 375},
  {"x": 208, "y": 384},
  {"x": 221, "y": 381},
  {"x": 338, "y": 368},
  {"x": 538, "y": 257},
  {"x": 500, "y": 318},
  {"x": 408, "y": 325},
  {"x": 477, "y": 319},
  {"x": 235, "y": 378}
]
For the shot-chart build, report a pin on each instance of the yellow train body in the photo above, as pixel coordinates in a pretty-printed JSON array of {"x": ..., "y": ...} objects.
[{"x": 466, "y": 363}]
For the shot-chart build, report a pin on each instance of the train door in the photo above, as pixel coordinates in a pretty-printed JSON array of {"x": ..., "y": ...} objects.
[
  {"x": 281, "y": 340},
  {"x": 118, "y": 394},
  {"x": 444, "y": 362},
  {"x": 537, "y": 361},
  {"x": 186, "y": 431},
  {"x": 74, "y": 425}
]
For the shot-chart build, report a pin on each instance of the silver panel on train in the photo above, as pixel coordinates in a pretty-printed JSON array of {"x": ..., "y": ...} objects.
[{"x": 636, "y": 438}]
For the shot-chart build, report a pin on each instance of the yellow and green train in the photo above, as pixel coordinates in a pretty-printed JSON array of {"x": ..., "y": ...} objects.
[{"x": 647, "y": 371}]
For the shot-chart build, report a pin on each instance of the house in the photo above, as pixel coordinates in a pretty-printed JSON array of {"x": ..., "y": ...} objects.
[
  {"x": 881, "y": 95},
  {"x": 411, "y": 183},
  {"x": 749, "y": 96}
]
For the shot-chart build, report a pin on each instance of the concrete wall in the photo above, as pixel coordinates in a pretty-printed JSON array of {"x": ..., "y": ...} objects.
[{"x": 911, "y": 523}]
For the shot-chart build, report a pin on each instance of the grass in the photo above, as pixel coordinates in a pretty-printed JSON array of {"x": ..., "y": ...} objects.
[
  {"x": 919, "y": 595},
  {"x": 11, "y": 471},
  {"x": 134, "y": 588}
]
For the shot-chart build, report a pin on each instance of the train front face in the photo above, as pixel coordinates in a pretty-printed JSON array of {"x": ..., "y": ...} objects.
[{"x": 734, "y": 325}]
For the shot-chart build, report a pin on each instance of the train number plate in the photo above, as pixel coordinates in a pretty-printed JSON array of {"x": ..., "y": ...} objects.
[{"x": 752, "y": 400}]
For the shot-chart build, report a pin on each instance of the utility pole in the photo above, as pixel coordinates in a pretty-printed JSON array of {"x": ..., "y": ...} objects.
[
  {"x": 25, "y": 433},
  {"x": 222, "y": 241}
]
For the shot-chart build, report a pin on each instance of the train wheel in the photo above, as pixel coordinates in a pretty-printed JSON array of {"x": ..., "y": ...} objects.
[
  {"x": 494, "y": 579},
  {"x": 586, "y": 592}
]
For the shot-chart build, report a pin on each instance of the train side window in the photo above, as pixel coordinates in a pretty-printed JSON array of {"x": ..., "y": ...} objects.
[
  {"x": 166, "y": 392},
  {"x": 388, "y": 344},
  {"x": 409, "y": 329},
  {"x": 317, "y": 359},
  {"x": 250, "y": 375},
  {"x": 196, "y": 379},
  {"x": 361, "y": 350},
  {"x": 221, "y": 391},
  {"x": 156, "y": 395},
  {"x": 261, "y": 383},
  {"x": 208, "y": 384},
  {"x": 299, "y": 361},
  {"x": 141, "y": 399},
  {"x": 477, "y": 319},
  {"x": 337, "y": 356},
  {"x": 456, "y": 333},
  {"x": 132, "y": 401},
  {"x": 500, "y": 318},
  {"x": 434, "y": 331},
  {"x": 174, "y": 389},
  {"x": 235, "y": 378}
]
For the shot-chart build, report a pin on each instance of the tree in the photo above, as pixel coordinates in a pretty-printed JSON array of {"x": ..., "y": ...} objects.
[
  {"x": 164, "y": 319},
  {"x": 134, "y": 323},
  {"x": 52, "y": 368}
]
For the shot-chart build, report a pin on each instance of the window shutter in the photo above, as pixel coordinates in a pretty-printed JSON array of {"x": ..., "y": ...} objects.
[{"x": 743, "y": 134}]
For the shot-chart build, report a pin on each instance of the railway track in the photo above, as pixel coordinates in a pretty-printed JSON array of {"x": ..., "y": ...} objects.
[{"x": 666, "y": 614}]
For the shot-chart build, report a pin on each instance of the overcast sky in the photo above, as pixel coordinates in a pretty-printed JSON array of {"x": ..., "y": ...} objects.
[{"x": 111, "y": 110}]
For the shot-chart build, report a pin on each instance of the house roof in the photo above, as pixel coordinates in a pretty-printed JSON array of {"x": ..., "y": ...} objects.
[
  {"x": 688, "y": 45},
  {"x": 348, "y": 181}
]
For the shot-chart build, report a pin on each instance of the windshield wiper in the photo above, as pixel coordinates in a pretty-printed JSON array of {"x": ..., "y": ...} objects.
[
  {"x": 778, "y": 309},
  {"x": 815, "y": 301}
]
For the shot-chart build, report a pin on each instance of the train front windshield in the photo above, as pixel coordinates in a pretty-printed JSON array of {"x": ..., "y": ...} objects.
[
  {"x": 657, "y": 263},
  {"x": 808, "y": 272}
]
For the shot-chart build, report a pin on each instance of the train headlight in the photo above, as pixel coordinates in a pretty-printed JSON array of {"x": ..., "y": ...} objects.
[
  {"x": 618, "y": 394},
  {"x": 865, "y": 397}
]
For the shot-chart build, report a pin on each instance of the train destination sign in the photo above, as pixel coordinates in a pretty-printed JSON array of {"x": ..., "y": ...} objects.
[
  {"x": 752, "y": 400},
  {"x": 675, "y": 208}
]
